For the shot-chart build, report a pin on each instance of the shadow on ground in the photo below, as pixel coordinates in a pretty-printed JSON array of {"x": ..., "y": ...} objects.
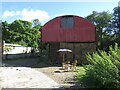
[{"x": 33, "y": 62}]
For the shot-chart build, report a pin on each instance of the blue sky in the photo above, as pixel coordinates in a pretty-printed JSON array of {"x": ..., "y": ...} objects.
[{"x": 45, "y": 11}]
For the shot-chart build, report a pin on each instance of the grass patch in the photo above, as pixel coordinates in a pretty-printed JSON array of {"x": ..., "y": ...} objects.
[
  {"x": 79, "y": 69},
  {"x": 81, "y": 76},
  {"x": 81, "y": 73}
]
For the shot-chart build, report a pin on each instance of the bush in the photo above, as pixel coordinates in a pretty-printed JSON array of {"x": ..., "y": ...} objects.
[
  {"x": 115, "y": 55},
  {"x": 104, "y": 69}
]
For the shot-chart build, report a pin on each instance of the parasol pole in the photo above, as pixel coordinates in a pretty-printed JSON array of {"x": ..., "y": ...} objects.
[{"x": 63, "y": 57}]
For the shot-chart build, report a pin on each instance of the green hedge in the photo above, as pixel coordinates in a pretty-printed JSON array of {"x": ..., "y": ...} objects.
[{"x": 104, "y": 69}]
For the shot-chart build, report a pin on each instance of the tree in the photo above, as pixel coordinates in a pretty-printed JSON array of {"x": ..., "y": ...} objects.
[
  {"x": 116, "y": 24},
  {"x": 21, "y": 32},
  {"x": 114, "y": 27},
  {"x": 116, "y": 20},
  {"x": 5, "y": 31},
  {"x": 36, "y": 23},
  {"x": 101, "y": 20}
]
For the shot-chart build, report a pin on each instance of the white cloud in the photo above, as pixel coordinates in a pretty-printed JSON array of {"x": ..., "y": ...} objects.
[
  {"x": 34, "y": 14},
  {"x": 26, "y": 14},
  {"x": 10, "y": 13}
]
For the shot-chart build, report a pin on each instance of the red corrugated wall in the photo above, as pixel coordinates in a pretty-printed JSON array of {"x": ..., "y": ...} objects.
[{"x": 83, "y": 31}]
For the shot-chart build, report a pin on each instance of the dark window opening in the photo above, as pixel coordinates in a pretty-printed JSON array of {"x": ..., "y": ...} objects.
[{"x": 67, "y": 22}]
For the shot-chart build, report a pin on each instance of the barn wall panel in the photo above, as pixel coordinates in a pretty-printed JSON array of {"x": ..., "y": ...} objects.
[
  {"x": 79, "y": 51},
  {"x": 83, "y": 30}
]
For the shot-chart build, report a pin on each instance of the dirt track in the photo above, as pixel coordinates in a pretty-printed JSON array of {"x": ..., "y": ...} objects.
[
  {"x": 65, "y": 79},
  {"x": 25, "y": 77}
]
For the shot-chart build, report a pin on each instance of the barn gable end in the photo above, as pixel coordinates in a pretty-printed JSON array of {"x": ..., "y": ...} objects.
[
  {"x": 71, "y": 32},
  {"x": 63, "y": 29}
]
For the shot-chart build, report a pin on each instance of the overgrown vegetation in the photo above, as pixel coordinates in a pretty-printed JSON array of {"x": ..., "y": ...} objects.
[
  {"x": 107, "y": 27},
  {"x": 22, "y": 32},
  {"x": 103, "y": 70},
  {"x": 7, "y": 49}
]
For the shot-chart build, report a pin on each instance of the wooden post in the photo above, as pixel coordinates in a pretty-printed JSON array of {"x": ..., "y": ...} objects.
[
  {"x": 73, "y": 51},
  {"x": 41, "y": 44},
  {"x": 1, "y": 44},
  {"x": 63, "y": 57}
]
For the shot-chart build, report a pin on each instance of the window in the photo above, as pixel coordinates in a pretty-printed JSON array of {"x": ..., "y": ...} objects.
[{"x": 67, "y": 22}]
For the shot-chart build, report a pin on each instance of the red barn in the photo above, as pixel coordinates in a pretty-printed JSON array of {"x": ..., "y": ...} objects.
[{"x": 72, "y": 32}]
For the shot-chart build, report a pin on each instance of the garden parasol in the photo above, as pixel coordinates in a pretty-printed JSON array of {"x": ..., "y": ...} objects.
[{"x": 64, "y": 51}]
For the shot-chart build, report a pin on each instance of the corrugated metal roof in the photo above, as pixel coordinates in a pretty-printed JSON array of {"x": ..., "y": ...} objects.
[{"x": 69, "y": 29}]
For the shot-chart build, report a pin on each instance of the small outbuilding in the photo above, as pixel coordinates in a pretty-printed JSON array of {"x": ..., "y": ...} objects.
[{"x": 70, "y": 32}]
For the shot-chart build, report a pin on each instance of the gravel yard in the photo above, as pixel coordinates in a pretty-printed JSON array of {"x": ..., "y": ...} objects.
[
  {"x": 59, "y": 77},
  {"x": 65, "y": 79},
  {"x": 22, "y": 77}
]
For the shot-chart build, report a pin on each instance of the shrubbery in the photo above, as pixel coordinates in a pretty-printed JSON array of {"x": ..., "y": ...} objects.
[{"x": 104, "y": 69}]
